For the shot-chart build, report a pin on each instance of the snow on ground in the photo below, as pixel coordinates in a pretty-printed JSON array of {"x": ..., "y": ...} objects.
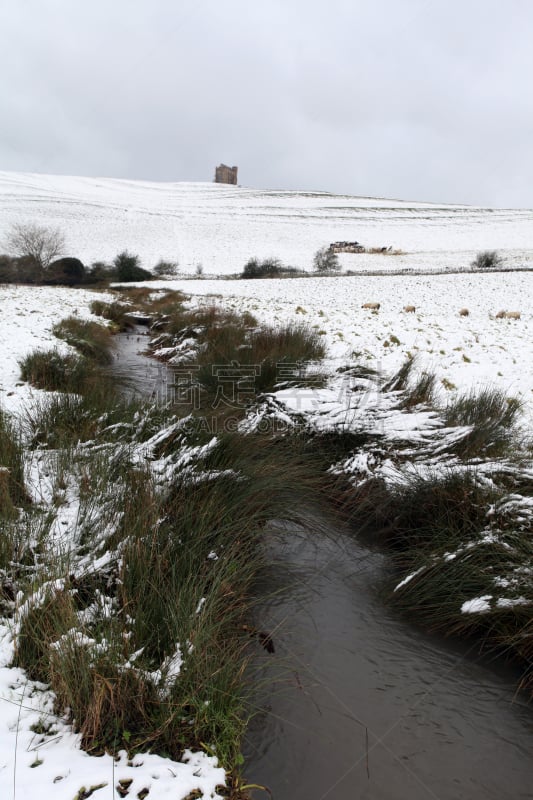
[
  {"x": 40, "y": 756},
  {"x": 221, "y": 227},
  {"x": 39, "y": 753},
  {"x": 28, "y": 314},
  {"x": 465, "y": 352}
]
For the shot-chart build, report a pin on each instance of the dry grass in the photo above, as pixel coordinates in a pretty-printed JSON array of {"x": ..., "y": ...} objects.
[{"x": 90, "y": 339}]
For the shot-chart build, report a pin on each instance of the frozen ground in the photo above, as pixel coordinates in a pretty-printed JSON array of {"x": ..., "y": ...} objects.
[
  {"x": 28, "y": 315},
  {"x": 465, "y": 352},
  {"x": 53, "y": 766},
  {"x": 221, "y": 227}
]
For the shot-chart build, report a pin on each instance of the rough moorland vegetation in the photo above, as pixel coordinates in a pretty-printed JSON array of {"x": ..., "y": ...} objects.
[{"x": 131, "y": 531}]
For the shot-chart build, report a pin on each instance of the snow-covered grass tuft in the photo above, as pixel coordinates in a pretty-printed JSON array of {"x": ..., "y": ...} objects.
[
  {"x": 12, "y": 489},
  {"x": 104, "y": 620},
  {"x": 89, "y": 338},
  {"x": 130, "y": 595},
  {"x": 216, "y": 341},
  {"x": 490, "y": 418},
  {"x": 56, "y": 371}
]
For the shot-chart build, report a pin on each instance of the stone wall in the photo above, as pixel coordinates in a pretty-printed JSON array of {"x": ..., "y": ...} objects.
[{"x": 346, "y": 247}]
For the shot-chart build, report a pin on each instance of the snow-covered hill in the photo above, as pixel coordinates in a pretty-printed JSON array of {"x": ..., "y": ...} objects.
[{"x": 221, "y": 227}]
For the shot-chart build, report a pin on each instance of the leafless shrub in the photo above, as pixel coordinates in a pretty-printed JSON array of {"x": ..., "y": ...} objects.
[
  {"x": 487, "y": 259},
  {"x": 41, "y": 243}
]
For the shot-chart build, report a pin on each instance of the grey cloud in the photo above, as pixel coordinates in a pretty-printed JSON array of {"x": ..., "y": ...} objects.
[{"x": 411, "y": 99}]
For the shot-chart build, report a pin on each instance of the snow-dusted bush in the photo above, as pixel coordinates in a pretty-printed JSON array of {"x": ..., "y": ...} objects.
[
  {"x": 128, "y": 268},
  {"x": 487, "y": 259},
  {"x": 163, "y": 268},
  {"x": 267, "y": 268},
  {"x": 325, "y": 260}
]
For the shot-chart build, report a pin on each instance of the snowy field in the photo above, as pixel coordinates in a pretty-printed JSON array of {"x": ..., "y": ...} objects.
[
  {"x": 464, "y": 351},
  {"x": 221, "y": 227}
]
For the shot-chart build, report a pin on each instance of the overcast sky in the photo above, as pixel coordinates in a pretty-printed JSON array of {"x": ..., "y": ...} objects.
[{"x": 410, "y": 99}]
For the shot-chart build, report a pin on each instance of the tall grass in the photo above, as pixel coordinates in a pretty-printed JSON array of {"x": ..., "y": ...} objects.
[
  {"x": 91, "y": 339},
  {"x": 12, "y": 489},
  {"x": 272, "y": 356},
  {"x": 232, "y": 353},
  {"x": 490, "y": 417},
  {"x": 152, "y": 301},
  {"x": 417, "y": 386},
  {"x": 177, "y": 587},
  {"x": 115, "y": 312},
  {"x": 432, "y": 509},
  {"x": 15, "y": 541},
  {"x": 63, "y": 420},
  {"x": 420, "y": 390},
  {"x": 492, "y": 565},
  {"x": 55, "y": 371},
  {"x": 400, "y": 379}
]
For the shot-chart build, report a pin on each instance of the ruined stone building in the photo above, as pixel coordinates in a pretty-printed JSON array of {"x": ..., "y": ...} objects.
[{"x": 224, "y": 174}]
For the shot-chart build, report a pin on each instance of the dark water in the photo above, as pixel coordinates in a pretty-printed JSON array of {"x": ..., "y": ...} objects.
[
  {"x": 138, "y": 374},
  {"x": 357, "y": 704},
  {"x": 360, "y": 704}
]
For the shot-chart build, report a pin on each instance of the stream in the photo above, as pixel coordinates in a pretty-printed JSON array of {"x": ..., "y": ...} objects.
[
  {"x": 357, "y": 702},
  {"x": 361, "y": 704},
  {"x": 137, "y": 373}
]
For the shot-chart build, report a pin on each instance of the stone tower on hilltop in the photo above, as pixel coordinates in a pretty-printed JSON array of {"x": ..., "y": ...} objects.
[{"x": 225, "y": 174}]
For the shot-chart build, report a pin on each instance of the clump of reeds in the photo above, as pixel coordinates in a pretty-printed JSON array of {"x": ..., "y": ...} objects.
[
  {"x": 490, "y": 417},
  {"x": 417, "y": 386},
  {"x": 55, "y": 371},
  {"x": 41, "y": 623},
  {"x": 400, "y": 379},
  {"x": 267, "y": 356},
  {"x": 153, "y": 301},
  {"x": 420, "y": 390},
  {"x": 175, "y": 590},
  {"x": 12, "y": 489},
  {"x": 62, "y": 420},
  {"x": 91, "y": 339},
  {"x": 232, "y": 348},
  {"x": 115, "y": 312},
  {"x": 441, "y": 583},
  {"x": 432, "y": 508},
  {"x": 207, "y": 320},
  {"x": 13, "y": 496}
]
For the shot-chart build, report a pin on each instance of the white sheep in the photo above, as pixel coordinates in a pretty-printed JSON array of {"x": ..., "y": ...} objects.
[{"x": 508, "y": 315}]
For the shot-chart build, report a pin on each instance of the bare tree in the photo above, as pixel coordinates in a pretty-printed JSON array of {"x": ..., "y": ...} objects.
[
  {"x": 42, "y": 244},
  {"x": 163, "y": 268},
  {"x": 325, "y": 260}
]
